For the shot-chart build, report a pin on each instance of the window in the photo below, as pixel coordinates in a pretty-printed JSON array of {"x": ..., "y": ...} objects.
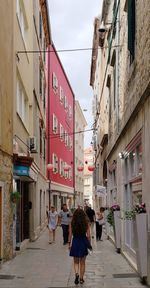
[
  {"x": 61, "y": 132},
  {"x": 55, "y": 82},
  {"x": 132, "y": 163},
  {"x": 66, "y": 139},
  {"x": 115, "y": 10},
  {"x": 70, "y": 142},
  {"x": 40, "y": 26},
  {"x": 40, "y": 140},
  {"x": 40, "y": 80},
  {"x": 114, "y": 84},
  {"x": 131, "y": 29},
  {"x": 70, "y": 112},
  {"x": 66, "y": 103},
  {"x": 21, "y": 18},
  {"x": 61, "y": 168},
  {"x": 108, "y": 84},
  {"x": 55, "y": 124},
  {"x": 55, "y": 163},
  {"x": 44, "y": 148},
  {"x": 70, "y": 174},
  {"x": 66, "y": 173},
  {"x": 61, "y": 95},
  {"x": 44, "y": 95},
  {"x": 22, "y": 102},
  {"x": 44, "y": 53}
]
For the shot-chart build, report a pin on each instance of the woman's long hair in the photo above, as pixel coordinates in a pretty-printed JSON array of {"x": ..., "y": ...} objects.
[{"x": 79, "y": 223}]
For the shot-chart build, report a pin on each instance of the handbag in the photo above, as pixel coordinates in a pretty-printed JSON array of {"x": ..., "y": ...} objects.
[
  {"x": 101, "y": 222},
  {"x": 88, "y": 244}
]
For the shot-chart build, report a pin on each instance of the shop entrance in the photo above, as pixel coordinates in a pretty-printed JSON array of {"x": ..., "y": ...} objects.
[{"x": 22, "y": 213}]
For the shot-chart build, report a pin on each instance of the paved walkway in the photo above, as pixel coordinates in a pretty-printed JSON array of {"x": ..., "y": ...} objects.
[{"x": 44, "y": 265}]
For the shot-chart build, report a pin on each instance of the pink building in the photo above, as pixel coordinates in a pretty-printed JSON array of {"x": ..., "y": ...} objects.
[{"x": 60, "y": 133}]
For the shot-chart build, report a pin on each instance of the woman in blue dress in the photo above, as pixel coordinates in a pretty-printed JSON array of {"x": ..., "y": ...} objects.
[{"x": 79, "y": 243}]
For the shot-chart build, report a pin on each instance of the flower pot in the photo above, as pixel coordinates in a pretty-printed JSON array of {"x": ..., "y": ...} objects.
[
  {"x": 141, "y": 249},
  {"x": 117, "y": 230}
]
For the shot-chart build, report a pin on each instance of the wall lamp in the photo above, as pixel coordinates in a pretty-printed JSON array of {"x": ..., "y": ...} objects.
[
  {"x": 102, "y": 29},
  {"x": 121, "y": 155}
]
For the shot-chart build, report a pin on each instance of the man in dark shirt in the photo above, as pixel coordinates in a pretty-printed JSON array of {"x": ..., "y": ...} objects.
[{"x": 91, "y": 215}]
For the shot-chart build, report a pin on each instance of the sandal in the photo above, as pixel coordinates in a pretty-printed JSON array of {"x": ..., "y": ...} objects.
[
  {"x": 76, "y": 281},
  {"x": 81, "y": 280}
]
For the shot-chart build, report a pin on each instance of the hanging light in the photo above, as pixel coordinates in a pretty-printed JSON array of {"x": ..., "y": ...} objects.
[
  {"x": 49, "y": 166},
  {"x": 80, "y": 168},
  {"x": 91, "y": 168}
]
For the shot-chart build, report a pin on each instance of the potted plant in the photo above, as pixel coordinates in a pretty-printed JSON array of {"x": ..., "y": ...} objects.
[
  {"x": 15, "y": 197},
  {"x": 138, "y": 213},
  {"x": 113, "y": 218}
]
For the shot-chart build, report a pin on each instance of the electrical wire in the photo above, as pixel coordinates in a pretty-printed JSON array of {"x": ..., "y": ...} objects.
[
  {"x": 62, "y": 50},
  {"x": 52, "y": 136}
]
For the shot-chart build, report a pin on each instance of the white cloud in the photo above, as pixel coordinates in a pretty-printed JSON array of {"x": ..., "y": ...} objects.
[{"x": 72, "y": 27}]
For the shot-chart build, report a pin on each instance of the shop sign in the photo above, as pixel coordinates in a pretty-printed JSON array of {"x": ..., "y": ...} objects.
[{"x": 21, "y": 170}]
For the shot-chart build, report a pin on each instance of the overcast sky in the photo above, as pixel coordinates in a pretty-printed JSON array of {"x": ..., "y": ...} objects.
[{"x": 72, "y": 27}]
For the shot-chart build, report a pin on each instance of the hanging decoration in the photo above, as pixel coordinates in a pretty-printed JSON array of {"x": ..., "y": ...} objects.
[
  {"x": 91, "y": 168},
  {"x": 66, "y": 168},
  {"x": 80, "y": 168}
]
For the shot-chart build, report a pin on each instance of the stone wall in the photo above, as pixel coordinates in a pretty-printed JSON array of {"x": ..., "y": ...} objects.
[
  {"x": 134, "y": 78},
  {"x": 7, "y": 220}
]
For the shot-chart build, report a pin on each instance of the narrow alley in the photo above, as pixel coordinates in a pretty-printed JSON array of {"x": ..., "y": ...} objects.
[{"x": 42, "y": 265}]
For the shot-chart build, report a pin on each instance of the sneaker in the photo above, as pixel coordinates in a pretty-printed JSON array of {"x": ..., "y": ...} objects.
[
  {"x": 76, "y": 281},
  {"x": 50, "y": 242}
]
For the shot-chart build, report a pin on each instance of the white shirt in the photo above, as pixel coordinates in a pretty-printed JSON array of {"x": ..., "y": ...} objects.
[{"x": 52, "y": 216}]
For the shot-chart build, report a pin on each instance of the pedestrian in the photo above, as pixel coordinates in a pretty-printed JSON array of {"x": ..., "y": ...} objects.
[
  {"x": 52, "y": 224},
  {"x": 79, "y": 242},
  {"x": 64, "y": 220},
  {"x": 99, "y": 224},
  {"x": 91, "y": 215}
]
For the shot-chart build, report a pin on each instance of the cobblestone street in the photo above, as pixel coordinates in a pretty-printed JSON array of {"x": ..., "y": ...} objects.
[{"x": 43, "y": 265}]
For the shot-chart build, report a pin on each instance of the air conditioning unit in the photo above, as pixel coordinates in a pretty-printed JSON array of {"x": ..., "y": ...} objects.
[{"x": 33, "y": 144}]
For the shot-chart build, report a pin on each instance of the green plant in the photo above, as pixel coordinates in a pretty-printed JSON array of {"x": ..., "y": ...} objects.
[
  {"x": 110, "y": 216},
  {"x": 137, "y": 209},
  {"x": 15, "y": 196}
]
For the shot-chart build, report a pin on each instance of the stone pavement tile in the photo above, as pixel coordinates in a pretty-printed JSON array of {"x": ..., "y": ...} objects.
[{"x": 44, "y": 266}]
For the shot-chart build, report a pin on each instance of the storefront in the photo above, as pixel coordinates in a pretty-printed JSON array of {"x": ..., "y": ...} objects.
[{"x": 23, "y": 176}]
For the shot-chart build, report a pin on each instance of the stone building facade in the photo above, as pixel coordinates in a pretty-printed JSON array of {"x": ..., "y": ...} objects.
[
  {"x": 100, "y": 115},
  {"x": 32, "y": 32},
  {"x": 80, "y": 124},
  {"x": 89, "y": 196},
  {"x": 6, "y": 127},
  {"x": 126, "y": 47}
]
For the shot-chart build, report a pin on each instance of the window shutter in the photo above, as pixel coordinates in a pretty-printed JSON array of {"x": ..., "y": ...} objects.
[{"x": 131, "y": 27}]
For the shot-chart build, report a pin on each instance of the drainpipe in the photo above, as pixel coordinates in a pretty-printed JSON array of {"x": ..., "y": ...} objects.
[
  {"x": 74, "y": 196},
  {"x": 117, "y": 63},
  {"x": 48, "y": 124}
]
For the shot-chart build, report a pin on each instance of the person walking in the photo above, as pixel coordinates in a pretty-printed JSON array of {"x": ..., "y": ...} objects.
[
  {"x": 52, "y": 224},
  {"x": 99, "y": 224},
  {"x": 91, "y": 215},
  {"x": 64, "y": 220},
  {"x": 79, "y": 242}
]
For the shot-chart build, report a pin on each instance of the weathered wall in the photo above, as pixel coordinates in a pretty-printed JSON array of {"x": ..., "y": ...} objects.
[{"x": 6, "y": 126}]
